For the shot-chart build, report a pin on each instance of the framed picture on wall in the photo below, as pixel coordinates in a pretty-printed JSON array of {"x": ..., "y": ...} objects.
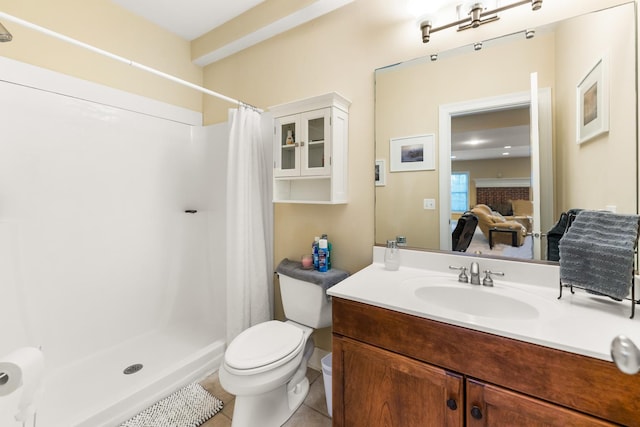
[
  {"x": 592, "y": 102},
  {"x": 412, "y": 153},
  {"x": 381, "y": 178}
]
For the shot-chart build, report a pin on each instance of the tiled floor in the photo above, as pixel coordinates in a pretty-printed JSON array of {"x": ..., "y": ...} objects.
[{"x": 312, "y": 413}]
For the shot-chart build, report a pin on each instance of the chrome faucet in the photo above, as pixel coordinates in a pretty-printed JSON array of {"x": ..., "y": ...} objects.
[
  {"x": 488, "y": 281},
  {"x": 462, "y": 277},
  {"x": 474, "y": 271}
]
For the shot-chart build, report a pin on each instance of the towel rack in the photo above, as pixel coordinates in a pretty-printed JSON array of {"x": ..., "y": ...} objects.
[
  {"x": 632, "y": 299},
  {"x": 571, "y": 217}
]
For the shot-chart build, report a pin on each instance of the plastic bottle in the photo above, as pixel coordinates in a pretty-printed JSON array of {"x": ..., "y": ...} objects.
[
  {"x": 392, "y": 256},
  {"x": 329, "y": 251},
  {"x": 323, "y": 255},
  {"x": 314, "y": 252}
]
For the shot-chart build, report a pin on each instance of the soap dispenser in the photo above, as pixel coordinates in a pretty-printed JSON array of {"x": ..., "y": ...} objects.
[{"x": 392, "y": 256}]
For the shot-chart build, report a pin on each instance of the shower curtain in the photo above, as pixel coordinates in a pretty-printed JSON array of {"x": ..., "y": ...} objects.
[{"x": 249, "y": 286}]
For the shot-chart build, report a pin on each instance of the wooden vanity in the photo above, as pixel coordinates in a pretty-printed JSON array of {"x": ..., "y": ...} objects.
[{"x": 396, "y": 369}]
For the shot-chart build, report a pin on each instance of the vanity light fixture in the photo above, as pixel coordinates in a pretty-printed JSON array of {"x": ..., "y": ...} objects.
[
  {"x": 425, "y": 27},
  {"x": 472, "y": 14}
]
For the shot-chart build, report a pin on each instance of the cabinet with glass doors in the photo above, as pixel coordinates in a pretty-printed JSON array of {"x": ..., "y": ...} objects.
[{"x": 310, "y": 150}]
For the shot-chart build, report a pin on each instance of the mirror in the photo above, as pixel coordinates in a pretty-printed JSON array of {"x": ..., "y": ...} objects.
[{"x": 466, "y": 92}]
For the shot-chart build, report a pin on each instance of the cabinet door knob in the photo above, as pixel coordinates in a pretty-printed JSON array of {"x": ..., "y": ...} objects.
[
  {"x": 476, "y": 413},
  {"x": 452, "y": 404}
]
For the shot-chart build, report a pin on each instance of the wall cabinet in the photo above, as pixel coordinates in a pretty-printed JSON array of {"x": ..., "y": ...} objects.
[
  {"x": 311, "y": 150},
  {"x": 394, "y": 369}
]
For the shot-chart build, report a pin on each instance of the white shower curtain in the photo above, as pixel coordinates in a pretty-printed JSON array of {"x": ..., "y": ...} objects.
[{"x": 249, "y": 228}]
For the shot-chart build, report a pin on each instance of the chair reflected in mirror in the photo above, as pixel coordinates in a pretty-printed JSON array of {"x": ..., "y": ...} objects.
[
  {"x": 497, "y": 229},
  {"x": 464, "y": 231},
  {"x": 557, "y": 231}
]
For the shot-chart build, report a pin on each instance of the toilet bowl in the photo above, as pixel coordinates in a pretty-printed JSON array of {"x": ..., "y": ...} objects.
[
  {"x": 268, "y": 378},
  {"x": 265, "y": 366}
]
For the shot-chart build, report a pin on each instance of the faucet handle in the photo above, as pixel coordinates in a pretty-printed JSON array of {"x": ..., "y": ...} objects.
[
  {"x": 462, "y": 277},
  {"x": 488, "y": 281}
]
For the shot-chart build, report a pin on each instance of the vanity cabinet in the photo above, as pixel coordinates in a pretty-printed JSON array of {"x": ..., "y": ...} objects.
[
  {"x": 310, "y": 150},
  {"x": 395, "y": 369}
]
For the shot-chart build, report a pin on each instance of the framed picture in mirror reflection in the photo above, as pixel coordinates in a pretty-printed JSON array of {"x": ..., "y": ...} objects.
[
  {"x": 412, "y": 153},
  {"x": 592, "y": 102}
]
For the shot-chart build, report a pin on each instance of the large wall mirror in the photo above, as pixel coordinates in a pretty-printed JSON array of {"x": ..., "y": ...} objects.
[{"x": 468, "y": 131}]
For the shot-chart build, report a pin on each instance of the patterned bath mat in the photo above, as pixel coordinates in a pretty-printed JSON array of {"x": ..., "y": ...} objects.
[{"x": 190, "y": 406}]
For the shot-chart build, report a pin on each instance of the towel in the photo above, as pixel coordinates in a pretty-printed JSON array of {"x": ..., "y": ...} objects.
[
  {"x": 325, "y": 279},
  {"x": 597, "y": 252}
]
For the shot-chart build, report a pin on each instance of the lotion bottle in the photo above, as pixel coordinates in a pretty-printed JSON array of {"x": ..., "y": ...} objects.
[
  {"x": 323, "y": 256},
  {"x": 329, "y": 251}
]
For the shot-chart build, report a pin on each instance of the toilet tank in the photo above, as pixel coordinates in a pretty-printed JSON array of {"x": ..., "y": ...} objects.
[{"x": 305, "y": 302}]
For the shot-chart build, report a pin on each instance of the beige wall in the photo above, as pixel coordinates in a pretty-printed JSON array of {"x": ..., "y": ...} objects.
[
  {"x": 602, "y": 171},
  {"x": 333, "y": 53},
  {"x": 106, "y": 26}
]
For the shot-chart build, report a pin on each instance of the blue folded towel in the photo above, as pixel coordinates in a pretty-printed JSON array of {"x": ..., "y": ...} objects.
[
  {"x": 597, "y": 252},
  {"x": 325, "y": 279}
]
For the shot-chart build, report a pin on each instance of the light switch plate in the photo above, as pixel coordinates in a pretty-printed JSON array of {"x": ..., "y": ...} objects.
[{"x": 430, "y": 204}]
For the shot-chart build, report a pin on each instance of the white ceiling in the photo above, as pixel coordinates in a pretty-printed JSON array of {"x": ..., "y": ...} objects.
[
  {"x": 188, "y": 18},
  {"x": 491, "y": 134},
  {"x": 491, "y": 143}
]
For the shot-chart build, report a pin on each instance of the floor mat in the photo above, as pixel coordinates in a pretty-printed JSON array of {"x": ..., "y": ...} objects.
[{"x": 190, "y": 406}]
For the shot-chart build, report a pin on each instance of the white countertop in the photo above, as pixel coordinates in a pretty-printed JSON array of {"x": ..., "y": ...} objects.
[{"x": 580, "y": 323}]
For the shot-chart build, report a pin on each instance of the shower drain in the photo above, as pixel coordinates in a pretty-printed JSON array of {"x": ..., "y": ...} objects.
[{"x": 132, "y": 369}]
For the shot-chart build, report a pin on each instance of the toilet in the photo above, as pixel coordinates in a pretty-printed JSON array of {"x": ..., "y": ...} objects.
[{"x": 265, "y": 366}]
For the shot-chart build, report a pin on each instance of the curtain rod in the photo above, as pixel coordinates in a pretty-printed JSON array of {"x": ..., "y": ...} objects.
[{"x": 134, "y": 64}]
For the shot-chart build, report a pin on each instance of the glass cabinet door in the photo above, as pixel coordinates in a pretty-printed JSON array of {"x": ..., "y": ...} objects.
[
  {"x": 287, "y": 153},
  {"x": 315, "y": 147}
]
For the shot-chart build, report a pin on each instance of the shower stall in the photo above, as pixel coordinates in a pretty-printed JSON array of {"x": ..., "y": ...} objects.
[{"x": 111, "y": 217}]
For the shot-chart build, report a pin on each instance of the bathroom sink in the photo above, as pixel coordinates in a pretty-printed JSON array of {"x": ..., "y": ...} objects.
[{"x": 477, "y": 301}]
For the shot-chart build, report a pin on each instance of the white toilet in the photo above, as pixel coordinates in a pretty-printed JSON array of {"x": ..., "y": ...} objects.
[{"x": 265, "y": 366}]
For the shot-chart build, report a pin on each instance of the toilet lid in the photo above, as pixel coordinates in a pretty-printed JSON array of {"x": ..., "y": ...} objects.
[{"x": 264, "y": 344}]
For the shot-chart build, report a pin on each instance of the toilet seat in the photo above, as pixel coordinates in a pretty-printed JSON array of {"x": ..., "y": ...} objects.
[{"x": 264, "y": 347}]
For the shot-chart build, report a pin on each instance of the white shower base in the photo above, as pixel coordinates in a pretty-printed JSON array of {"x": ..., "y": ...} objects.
[{"x": 95, "y": 392}]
